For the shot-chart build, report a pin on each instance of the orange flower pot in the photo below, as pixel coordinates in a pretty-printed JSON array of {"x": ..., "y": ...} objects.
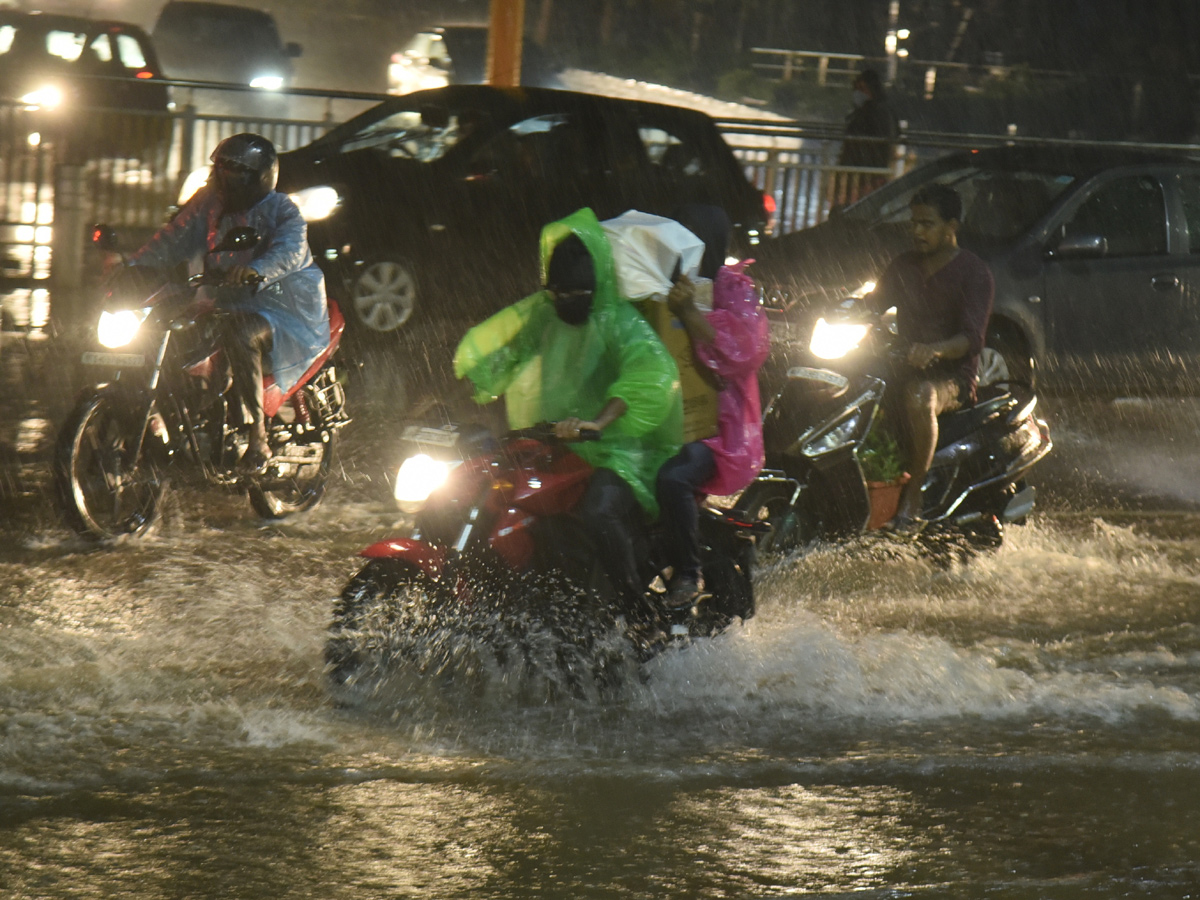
[{"x": 885, "y": 500}]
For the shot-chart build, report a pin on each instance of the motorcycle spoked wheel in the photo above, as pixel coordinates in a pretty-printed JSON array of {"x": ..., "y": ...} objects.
[
  {"x": 394, "y": 628},
  {"x": 275, "y": 496},
  {"x": 100, "y": 499}
]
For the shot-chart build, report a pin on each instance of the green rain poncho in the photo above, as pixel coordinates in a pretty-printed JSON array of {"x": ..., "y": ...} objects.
[{"x": 548, "y": 370}]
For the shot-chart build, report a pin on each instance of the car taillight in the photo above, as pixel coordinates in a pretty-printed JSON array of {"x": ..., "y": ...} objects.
[
  {"x": 769, "y": 204},
  {"x": 145, "y": 73}
]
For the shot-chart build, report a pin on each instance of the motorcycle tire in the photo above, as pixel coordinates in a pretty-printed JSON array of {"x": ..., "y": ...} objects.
[
  {"x": 98, "y": 498},
  {"x": 353, "y": 647}
]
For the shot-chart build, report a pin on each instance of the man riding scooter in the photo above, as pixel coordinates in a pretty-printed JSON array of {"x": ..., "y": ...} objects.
[{"x": 578, "y": 354}]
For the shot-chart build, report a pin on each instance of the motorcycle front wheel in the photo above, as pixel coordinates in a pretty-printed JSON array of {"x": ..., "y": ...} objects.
[{"x": 101, "y": 495}]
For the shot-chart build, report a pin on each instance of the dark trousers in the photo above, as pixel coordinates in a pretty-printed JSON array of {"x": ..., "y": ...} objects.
[
  {"x": 678, "y": 481},
  {"x": 609, "y": 511},
  {"x": 247, "y": 338}
]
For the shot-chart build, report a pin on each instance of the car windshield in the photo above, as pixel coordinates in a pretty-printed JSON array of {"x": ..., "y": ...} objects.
[
  {"x": 998, "y": 204},
  {"x": 424, "y": 134}
]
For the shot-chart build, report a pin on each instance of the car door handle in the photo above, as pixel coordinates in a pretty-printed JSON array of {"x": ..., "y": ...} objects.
[{"x": 1165, "y": 282}]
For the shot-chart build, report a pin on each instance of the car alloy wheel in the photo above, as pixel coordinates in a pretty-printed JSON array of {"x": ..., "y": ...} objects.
[{"x": 384, "y": 294}]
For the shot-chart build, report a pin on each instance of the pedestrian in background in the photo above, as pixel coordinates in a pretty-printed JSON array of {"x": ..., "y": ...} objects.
[{"x": 869, "y": 142}]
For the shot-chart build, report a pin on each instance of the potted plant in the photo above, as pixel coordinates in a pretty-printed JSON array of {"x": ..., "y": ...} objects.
[{"x": 884, "y": 472}]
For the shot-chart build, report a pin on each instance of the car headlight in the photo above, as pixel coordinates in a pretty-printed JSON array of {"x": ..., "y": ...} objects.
[
  {"x": 117, "y": 329},
  {"x": 196, "y": 180},
  {"x": 862, "y": 290},
  {"x": 46, "y": 97},
  {"x": 267, "y": 82},
  {"x": 835, "y": 438},
  {"x": 317, "y": 203},
  {"x": 833, "y": 340},
  {"x": 419, "y": 476}
]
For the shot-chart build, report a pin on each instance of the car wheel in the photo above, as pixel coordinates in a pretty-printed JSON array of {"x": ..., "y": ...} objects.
[
  {"x": 384, "y": 294},
  {"x": 1005, "y": 359}
]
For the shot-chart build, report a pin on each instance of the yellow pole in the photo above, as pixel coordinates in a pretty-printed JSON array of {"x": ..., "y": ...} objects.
[{"x": 504, "y": 42}]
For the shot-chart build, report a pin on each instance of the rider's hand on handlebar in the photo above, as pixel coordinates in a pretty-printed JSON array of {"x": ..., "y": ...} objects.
[
  {"x": 242, "y": 275},
  {"x": 570, "y": 429}
]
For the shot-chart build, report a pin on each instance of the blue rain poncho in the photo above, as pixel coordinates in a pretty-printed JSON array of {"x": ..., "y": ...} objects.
[
  {"x": 291, "y": 299},
  {"x": 547, "y": 370}
]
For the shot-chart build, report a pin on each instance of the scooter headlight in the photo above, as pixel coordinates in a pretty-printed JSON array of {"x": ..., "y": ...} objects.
[
  {"x": 833, "y": 340},
  {"x": 118, "y": 329},
  {"x": 419, "y": 476}
]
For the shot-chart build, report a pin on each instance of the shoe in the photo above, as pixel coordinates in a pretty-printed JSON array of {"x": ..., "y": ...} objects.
[
  {"x": 683, "y": 593},
  {"x": 256, "y": 458}
]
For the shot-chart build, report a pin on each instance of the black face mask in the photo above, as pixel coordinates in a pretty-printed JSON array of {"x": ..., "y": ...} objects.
[{"x": 573, "y": 307}]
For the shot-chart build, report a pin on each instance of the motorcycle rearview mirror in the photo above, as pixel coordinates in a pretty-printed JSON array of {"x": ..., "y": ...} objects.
[{"x": 241, "y": 238}]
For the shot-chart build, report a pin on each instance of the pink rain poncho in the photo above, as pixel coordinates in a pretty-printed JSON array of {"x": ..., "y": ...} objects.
[{"x": 735, "y": 354}]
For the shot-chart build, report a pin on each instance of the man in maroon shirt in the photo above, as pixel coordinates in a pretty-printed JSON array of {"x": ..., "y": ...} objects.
[{"x": 943, "y": 297}]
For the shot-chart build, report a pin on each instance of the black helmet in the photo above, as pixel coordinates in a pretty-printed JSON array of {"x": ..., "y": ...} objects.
[{"x": 245, "y": 169}]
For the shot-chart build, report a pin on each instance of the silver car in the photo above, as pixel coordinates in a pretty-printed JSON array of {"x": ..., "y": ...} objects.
[{"x": 1095, "y": 252}]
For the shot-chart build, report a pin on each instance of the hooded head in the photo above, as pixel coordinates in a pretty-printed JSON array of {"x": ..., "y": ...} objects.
[
  {"x": 571, "y": 280},
  {"x": 711, "y": 224},
  {"x": 245, "y": 169}
]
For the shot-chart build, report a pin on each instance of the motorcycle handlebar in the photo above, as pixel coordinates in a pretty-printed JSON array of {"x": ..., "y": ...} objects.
[
  {"x": 544, "y": 431},
  {"x": 217, "y": 279}
]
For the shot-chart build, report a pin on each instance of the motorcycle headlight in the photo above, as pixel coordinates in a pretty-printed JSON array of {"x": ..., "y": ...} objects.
[
  {"x": 46, "y": 97},
  {"x": 419, "y": 476},
  {"x": 835, "y": 438},
  {"x": 833, "y": 340},
  {"x": 317, "y": 203},
  {"x": 196, "y": 180},
  {"x": 117, "y": 329}
]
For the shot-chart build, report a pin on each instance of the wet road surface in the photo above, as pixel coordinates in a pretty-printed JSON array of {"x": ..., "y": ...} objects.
[{"x": 1025, "y": 726}]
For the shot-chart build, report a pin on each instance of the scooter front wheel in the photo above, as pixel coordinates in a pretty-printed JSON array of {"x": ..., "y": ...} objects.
[{"x": 103, "y": 495}]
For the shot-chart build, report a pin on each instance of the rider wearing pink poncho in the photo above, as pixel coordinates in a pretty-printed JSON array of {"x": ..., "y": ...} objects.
[{"x": 732, "y": 342}]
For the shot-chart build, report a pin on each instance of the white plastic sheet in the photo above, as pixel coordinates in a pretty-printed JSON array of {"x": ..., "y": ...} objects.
[{"x": 646, "y": 250}]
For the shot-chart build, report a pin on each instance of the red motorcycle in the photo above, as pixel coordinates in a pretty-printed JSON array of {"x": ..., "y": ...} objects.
[
  {"x": 165, "y": 409},
  {"x": 497, "y": 562}
]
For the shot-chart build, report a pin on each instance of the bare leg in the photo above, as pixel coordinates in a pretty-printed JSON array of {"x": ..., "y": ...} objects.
[{"x": 920, "y": 413}]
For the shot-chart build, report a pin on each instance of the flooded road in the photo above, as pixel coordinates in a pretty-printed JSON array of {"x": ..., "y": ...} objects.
[{"x": 1026, "y": 726}]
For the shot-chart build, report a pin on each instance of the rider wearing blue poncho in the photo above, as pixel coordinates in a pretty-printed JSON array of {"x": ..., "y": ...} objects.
[{"x": 286, "y": 318}]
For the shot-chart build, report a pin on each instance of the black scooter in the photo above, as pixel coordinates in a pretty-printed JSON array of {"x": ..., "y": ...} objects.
[{"x": 822, "y": 429}]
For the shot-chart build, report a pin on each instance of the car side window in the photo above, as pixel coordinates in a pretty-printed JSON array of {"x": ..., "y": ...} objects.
[
  {"x": 536, "y": 147},
  {"x": 1190, "y": 190},
  {"x": 130, "y": 51},
  {"x": 1128, "y": 212},
  {"x": 670, "y": 152},
  {"x": 66, "y": 45}
]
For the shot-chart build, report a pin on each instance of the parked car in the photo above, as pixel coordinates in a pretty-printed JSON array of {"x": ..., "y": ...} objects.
[
  {"x": 457, "y": 54},
  {"x": 1095, "y": 252},
  {"x": 42, "y": 59},
  {"x": 435, "y": 200},
  {"x": 226, "y": 43}
]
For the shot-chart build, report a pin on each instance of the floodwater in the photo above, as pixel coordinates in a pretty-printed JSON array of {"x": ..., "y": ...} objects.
[{"x": 1027, "y": 726}]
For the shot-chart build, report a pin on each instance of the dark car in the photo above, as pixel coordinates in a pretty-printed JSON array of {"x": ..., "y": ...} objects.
[
  {"x": 457, "y": 54},
  {"x": 1095, "y": 252},
  {"x": 226, "y": 43},
  {"x": 43, "y": 56},
  {"x": 436, "y": 199}
]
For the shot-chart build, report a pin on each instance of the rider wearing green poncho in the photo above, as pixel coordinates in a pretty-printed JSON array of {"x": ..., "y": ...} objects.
[{"x": 579, "y": 354}]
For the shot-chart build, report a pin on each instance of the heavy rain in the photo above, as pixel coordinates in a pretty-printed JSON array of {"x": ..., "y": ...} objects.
[{"x": 1005, "y": 704}]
